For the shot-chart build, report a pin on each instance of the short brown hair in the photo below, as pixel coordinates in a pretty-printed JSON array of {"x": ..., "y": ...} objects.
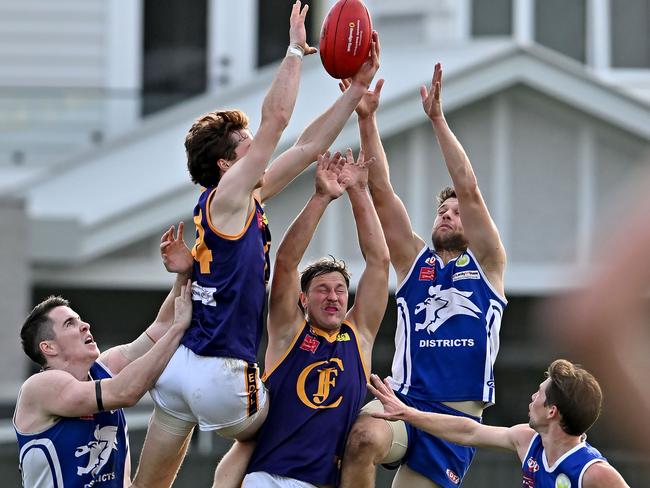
[
  {"x": 321, "y": 267},
  {"x": 446, "y": 193},
  {"x": 210, "y": 139},
  {"x": 576, "y": 394},
  {"x": 38, "y": 328}
]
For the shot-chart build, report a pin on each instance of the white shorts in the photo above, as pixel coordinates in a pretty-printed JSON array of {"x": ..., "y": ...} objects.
[
  {"x": 260, "y": 479},
  {"x": 215, "y": 393}
]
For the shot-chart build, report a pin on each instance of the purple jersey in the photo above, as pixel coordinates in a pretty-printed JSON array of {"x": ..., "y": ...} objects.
[
  {"x": 566, "y": 472},
  {"x": 316, "y": 393},
  {"x": 228, "y": 285}
]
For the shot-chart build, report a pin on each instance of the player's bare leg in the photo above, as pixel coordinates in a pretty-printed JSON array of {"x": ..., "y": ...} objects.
[
  {"x": 231, "y": 469},
  {"x": 407, "y": 478},
  {"x": 368, "y": 443},
  {"x": 168, "y": 450}
]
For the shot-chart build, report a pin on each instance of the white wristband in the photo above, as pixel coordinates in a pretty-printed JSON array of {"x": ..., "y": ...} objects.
[{"x": 295, "y": 50}]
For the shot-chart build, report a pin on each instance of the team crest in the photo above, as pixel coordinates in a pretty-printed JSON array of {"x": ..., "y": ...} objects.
[
  {"x": 562, "y": 481},
  {"x": 463, "y": 260},
  {"x": 99, "y": 450},
  {"x": 441, "y": 305}
]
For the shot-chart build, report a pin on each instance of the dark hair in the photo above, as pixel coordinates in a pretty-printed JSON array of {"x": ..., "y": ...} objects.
[
  {"x": 210, "y": 139},
  {"x": 321, "y": 267},
  {"x": 38, "y": 327},
  {"x": 576, "y": 394},
  {"x": 446, "y": 193}
]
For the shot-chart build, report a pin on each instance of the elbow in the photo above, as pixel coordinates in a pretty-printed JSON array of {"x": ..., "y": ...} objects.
[
  {"x": 383, "y": 259},
  {"x": 278, "y": 117},
  {"x": 284, "y": 260}
]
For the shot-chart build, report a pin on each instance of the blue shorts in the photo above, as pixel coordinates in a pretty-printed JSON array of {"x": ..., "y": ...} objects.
[{"x": 443, "y": 462}]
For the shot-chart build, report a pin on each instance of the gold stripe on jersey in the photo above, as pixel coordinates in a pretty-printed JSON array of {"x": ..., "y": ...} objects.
[
  {"x": 269, "y": 371},
  {"x": 214, "y": 229}
]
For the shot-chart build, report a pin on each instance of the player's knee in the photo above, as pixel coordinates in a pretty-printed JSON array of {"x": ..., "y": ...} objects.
[{"x": 365, "y": 441}]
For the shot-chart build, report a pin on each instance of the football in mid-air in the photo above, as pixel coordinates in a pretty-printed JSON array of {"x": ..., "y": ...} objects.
[{"x": 345, "y": 38}]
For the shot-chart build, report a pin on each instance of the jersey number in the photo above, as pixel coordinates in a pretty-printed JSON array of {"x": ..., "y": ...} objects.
[{"x": 200, "y": 251}]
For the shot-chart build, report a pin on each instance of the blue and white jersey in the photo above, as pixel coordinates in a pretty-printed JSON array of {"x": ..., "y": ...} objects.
[
  {"x": 567, "y": 472},
  {"x": 81, "y": 452},
  {"x": 447, "y": 337}
]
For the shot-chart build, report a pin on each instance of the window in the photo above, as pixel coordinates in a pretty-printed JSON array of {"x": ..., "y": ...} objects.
[
  {"x": 174, "y": 62},
  {"x": 561, "y": 25},
  {"x": 491, "y": 18},
  {"x": 273, "y": 29},
  {"x": 630, "y": 33}
]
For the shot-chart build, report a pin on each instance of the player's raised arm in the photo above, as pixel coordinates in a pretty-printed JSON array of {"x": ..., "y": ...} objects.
[
  {"x": 242, "y": 175},
  {"x": 402, "y": 242},
  {"x": 480, "y": 230},
  {"x": 372, "y": 291},
  {"x": 321, "y": 133},
  {"x": 284, "y": 314},
  {"x": 58, "y": 393}
]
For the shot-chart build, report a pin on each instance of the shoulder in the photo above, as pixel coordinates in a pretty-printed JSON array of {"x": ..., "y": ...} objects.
[
  {"x": 39, "y": 389},
  {"x": 601, "y": 474}
]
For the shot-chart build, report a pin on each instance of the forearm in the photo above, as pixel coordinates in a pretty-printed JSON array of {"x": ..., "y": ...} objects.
[
  {"x": 371, "y": 239},
  {"x": 378, "y": 173},
  {"x": 300, "y": 232},
  {"x": 321, "y": 133},
  {"x": 281, "y": 98},
  {"x": 458, "y": 164},
  {"x": 139, "y": 376},
  {"x": 166, "y": 313},
  {"x": 459, "y": 430}
]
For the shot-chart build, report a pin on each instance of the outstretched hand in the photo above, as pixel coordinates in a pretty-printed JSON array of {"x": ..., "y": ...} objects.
[
  {"x": 354, "y": 174},
  {"x": 394, "y": 408},
  {"x": 370, "y": 101},
  {"x": 369, "y": 68},
  {"x": 328, "y": 170},
  {"x": 431, "y": 97},
  {"x": 297, "y": 31},
  {"x": 183, "y": 306},
  {"x": 176, "y": 257}
]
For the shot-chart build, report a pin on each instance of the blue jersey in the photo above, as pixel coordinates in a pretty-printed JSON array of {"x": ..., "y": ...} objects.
[
  {"x": 316, "y": 393},
  {"x": 447, "y": 336},
  {"x": 566, "y": 472},
  {"x": 83, "y": 452},
  {"x": 228, "y": 285}
]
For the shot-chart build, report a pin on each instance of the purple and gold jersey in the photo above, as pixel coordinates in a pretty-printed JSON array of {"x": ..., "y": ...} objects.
[
  {"x": 447, "y": 336},
  {"x": 316, "y": 393},
  {"x": 77, "y": 452},
  {"x": 228, "y": 285},
  {"x": 566, "y": 472}
]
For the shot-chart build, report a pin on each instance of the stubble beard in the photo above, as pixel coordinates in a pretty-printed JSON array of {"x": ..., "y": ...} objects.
[{"x": 454, "y": 242}]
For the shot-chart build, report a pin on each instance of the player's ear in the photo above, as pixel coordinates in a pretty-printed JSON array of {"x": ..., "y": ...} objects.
[
  {"x": 47, "y": 348},
  {"x": 303, "y": 301},
  {"x": 223, "y": 164}
]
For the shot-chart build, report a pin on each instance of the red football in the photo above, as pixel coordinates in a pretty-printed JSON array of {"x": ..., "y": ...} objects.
[{"x": 345, "y": 38}]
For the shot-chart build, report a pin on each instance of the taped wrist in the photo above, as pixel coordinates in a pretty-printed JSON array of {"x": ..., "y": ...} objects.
[
  {"x": 138, "y": 347},
  {"x": 295, "y": 50}
]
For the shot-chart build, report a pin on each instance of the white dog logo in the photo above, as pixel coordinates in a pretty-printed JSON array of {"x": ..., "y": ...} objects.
[
  {"x": 99, "y": 450},
  {"x": 441, "y": 305}
]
